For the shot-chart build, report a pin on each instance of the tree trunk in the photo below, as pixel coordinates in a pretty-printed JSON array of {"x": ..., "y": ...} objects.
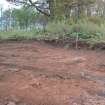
[{"x": 51, "y": 8}]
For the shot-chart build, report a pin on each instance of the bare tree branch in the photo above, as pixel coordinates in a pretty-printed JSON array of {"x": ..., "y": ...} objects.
[{"x": 30, "y": 3}]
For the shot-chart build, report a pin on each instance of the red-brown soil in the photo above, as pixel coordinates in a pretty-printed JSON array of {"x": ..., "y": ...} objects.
[{"x": 35, "y": 73}]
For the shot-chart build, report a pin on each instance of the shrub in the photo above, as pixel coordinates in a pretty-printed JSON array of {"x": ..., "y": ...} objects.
[
  {"x": 83, "y": 28},
  {"x": 58, "y": 28},
  {"x": 96, "y": 20},
  {"x": 87, "y": 29}
]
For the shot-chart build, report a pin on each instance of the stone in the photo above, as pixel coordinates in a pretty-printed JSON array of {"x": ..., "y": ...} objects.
[
  {"x": 11, "y": 103},
  {"x": 82, "y": 74},
  {"x": 78, "y": 60},
  {"x": 15, "y": 99}
]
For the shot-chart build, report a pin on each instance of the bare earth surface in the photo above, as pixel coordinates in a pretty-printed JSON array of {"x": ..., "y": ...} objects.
[{"x": 33, "y": 73}]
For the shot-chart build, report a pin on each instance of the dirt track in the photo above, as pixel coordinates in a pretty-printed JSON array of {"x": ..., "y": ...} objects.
[{"x": 33, "y": 73}]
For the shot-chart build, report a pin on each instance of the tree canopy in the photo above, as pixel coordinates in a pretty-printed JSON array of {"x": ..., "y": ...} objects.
[{"x": 55, "y": 8}]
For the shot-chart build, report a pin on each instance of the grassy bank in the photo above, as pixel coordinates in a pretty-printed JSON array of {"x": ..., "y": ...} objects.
[{"x": 84, "y": 29}]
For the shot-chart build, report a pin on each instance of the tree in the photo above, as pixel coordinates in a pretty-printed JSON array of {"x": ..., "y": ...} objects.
[
  {"x": 42, "y": 7},
  {"x": 24, "y": 16},
  {"x": 56, "y": 8},
  {"x": 7, "y": 19}
]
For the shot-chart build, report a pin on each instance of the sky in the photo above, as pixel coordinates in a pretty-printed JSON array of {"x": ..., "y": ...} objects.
[{"x": 5, "y": 5}]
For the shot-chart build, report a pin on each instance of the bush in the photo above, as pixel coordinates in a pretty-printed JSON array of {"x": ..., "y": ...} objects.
[
  {"x": 87, "y": 29},
  {"x": 60, "y": 28},
  {"x": 96, "y": 20},
  {"x": 83, "y": 28}
]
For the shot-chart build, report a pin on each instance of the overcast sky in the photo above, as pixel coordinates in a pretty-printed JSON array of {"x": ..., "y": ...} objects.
[{"x": 5, "y": 5}]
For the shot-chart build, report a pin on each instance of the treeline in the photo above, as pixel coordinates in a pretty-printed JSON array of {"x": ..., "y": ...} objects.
[
  {"x": 65, "y": 9},
  {"x": 23, "y": 18},
  {"x": 57, "y": 8},
  {"x": 55, "y": 18},
  {"x": 76, "y": 8}
]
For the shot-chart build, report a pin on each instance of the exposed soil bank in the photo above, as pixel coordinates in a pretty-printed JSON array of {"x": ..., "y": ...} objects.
[
  {"x": 73, "y": 43},
  {"x": 65, "y": 42}
]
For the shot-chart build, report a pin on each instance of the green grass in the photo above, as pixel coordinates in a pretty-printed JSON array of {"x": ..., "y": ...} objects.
[
  {"x": 14, "y": 34},
  {"x": 83, "y": 28}
]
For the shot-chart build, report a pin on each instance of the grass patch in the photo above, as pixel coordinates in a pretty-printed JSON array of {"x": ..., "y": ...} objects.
[
  {"x": 85, "y": 29},
  {"x": 19, "y": 34}
]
